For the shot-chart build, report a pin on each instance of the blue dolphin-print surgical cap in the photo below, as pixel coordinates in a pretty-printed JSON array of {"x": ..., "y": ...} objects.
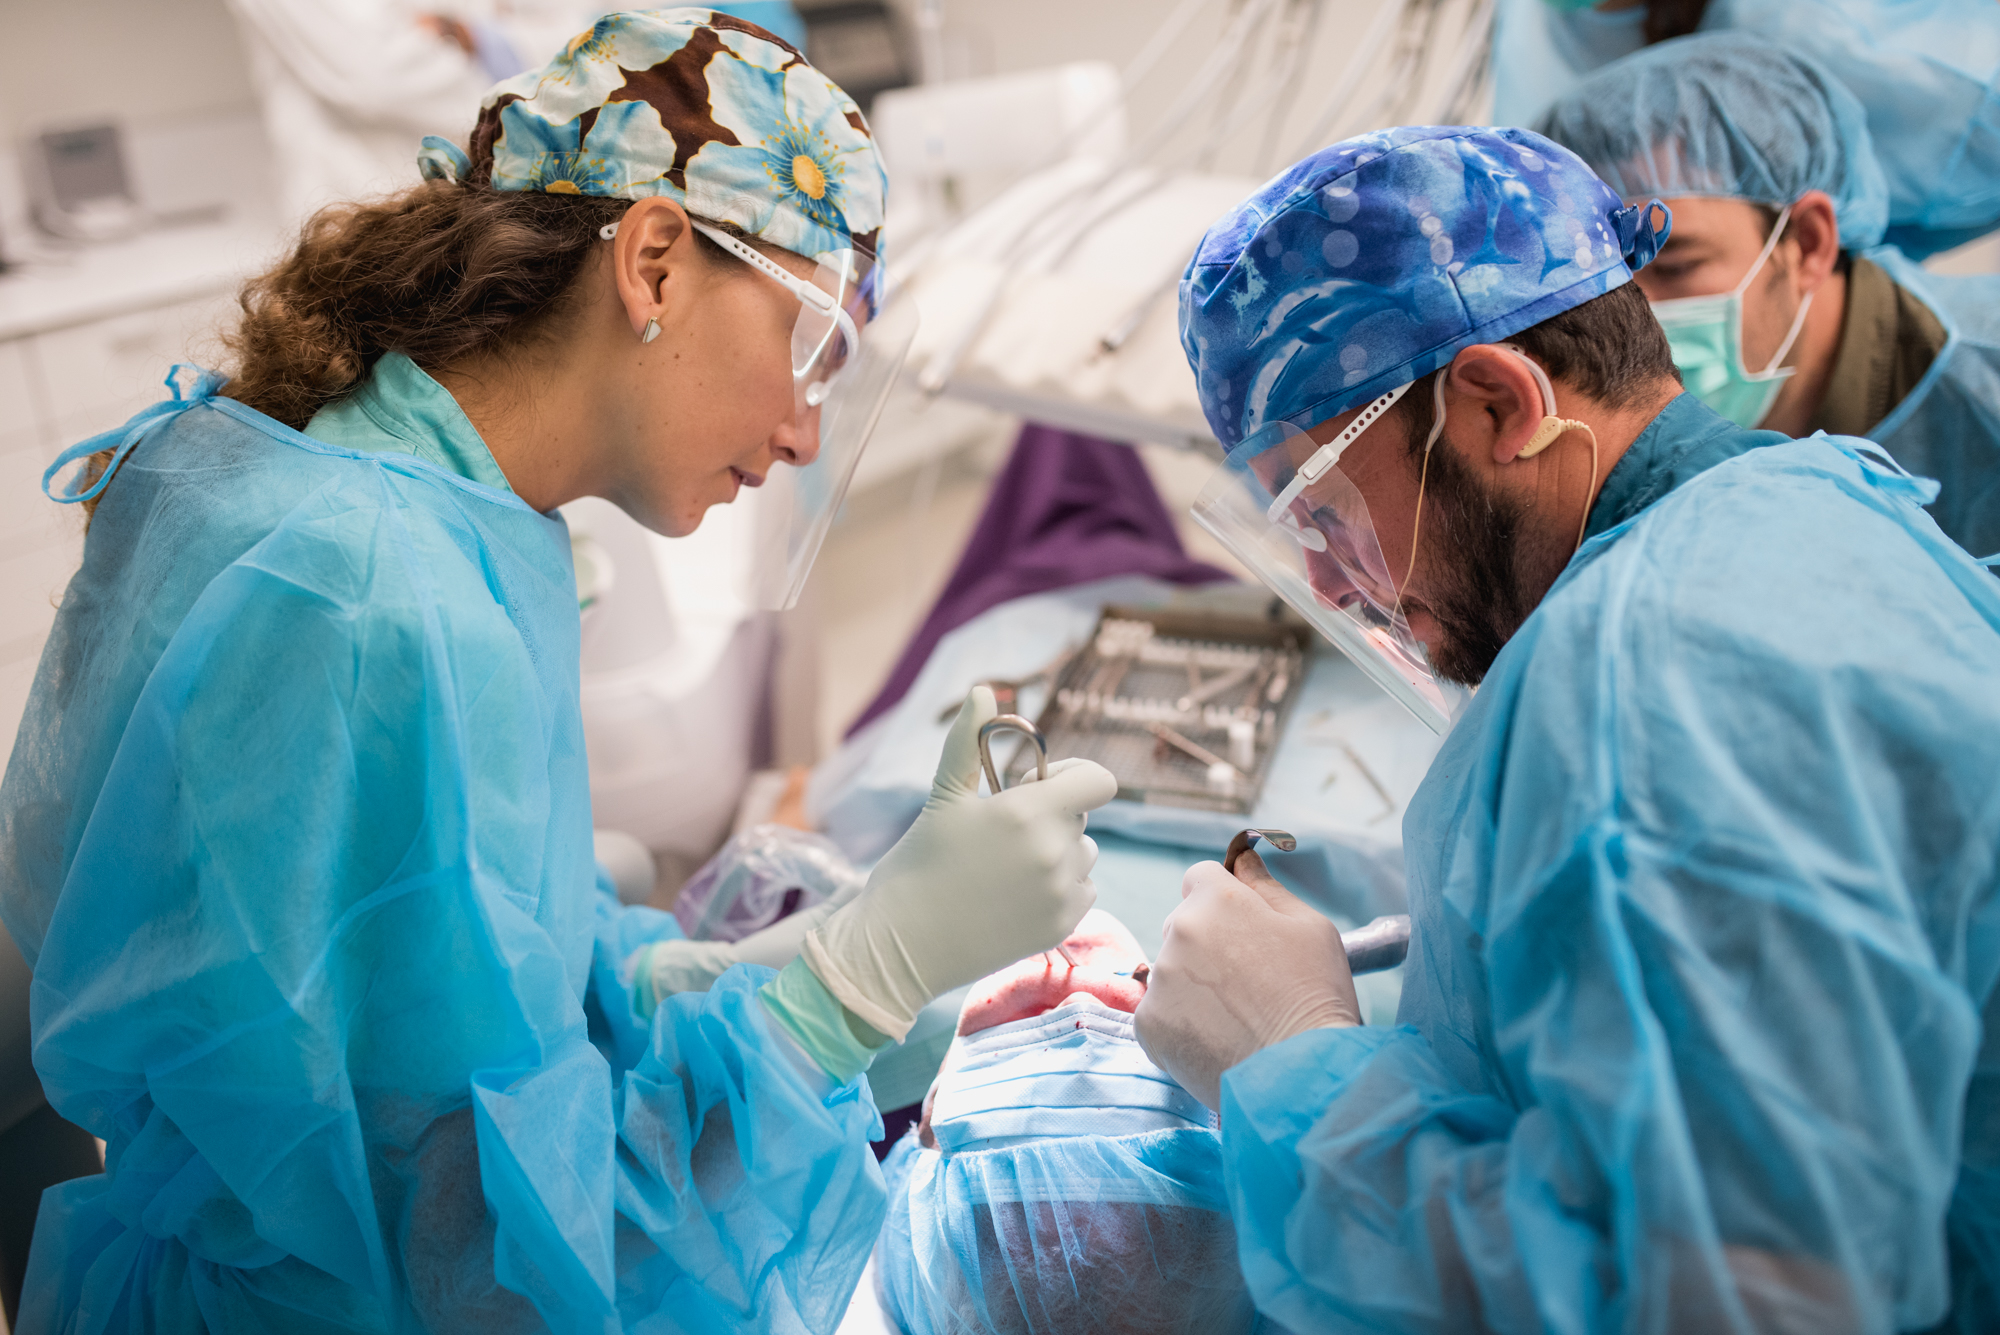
[
  {"x": 1732, "y": 115},
  {"x": 1374, "y": 262}
]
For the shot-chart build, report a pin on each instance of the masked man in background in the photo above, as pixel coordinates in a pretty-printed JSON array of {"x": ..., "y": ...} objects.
[{"x": 1781, "y": 308}]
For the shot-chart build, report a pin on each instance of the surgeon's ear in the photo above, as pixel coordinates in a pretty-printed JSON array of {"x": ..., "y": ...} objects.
[
  {"x": 653, "y": 244},
  {"x": 1493, "y": 402}
]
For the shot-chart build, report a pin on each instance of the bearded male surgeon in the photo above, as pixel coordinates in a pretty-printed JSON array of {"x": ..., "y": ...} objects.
[{"x": 1699, "y": 1030}]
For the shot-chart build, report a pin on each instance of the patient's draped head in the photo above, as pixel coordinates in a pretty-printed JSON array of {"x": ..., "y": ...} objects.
[{"x": 1060, "y": 1182}]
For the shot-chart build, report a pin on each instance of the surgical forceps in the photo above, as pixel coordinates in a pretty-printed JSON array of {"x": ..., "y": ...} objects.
[{"x": 1015, "y": 723}]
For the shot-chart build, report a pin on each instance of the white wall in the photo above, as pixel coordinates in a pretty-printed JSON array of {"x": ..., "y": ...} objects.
[
  {"x": 147, "y": 61},
  {"x": 125, "y": 60},
  {"x": 1004, "y": 36},
  {"x": 170, "y": 74},
  {"x": 142, "y": 59}
]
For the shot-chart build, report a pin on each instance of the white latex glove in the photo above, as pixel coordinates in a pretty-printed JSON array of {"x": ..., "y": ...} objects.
[
  {"x": 975, "y": 884},
  {"x": 693, "y": 966},
  {"x": 1244, "y": 964}
]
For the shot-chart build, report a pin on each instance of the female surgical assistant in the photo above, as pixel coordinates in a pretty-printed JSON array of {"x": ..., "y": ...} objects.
[{"x": 297, "y": 832}]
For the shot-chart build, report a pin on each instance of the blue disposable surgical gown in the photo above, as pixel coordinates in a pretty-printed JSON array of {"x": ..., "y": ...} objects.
[
  {"x": 297, "y": 837},
  {"x": 1928, "y": 74},
  {"x": 1707, "y": 928},
  {"x": 1539, "y": 53},
  {"x": 1948, "y": 426}
]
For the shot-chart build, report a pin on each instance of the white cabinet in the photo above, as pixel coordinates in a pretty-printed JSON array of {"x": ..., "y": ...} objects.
[
  {"x": 25, "y": 518},
  {"x": 20, "y": 395},
  {"x": 56, "y": 388},
  {"x": 97, "y": 375},
  {"x": 28, "y": 532}
]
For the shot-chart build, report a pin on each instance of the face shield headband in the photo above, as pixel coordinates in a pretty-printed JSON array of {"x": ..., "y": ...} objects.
[{"x": 1282, "y": 505}]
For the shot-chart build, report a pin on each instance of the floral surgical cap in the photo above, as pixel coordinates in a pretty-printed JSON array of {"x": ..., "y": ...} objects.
[
  {"x": 1374, "y": 262},
  {"x": 694, "y": 105}
]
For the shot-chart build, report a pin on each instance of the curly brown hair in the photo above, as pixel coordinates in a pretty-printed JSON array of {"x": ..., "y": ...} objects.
[{"x": 441, "y": 272}]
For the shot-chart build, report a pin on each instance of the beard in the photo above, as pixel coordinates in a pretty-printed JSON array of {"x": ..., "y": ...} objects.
[{"x": 1488, "y": 569}]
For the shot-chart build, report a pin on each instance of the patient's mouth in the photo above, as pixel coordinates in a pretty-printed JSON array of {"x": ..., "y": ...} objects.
[{"x": 1109, "y": 966}]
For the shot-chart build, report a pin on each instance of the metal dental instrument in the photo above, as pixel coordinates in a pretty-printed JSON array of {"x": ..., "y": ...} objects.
[
  {"x": 1281, "y": 840},
  {"x": 1192, "y": 748},
  {"x": 1381, "y": 944},
  {"x": 1007, "y": 690},
  {"x": 1388, "y": 802},
  {"x": 1214, "y": 686},
  {"x": 1015, "y": 723}
]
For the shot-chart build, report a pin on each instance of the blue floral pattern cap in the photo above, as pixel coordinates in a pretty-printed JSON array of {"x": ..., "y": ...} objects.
[
  {"x": 699, "y": 106},
  {"x": 1374, "y": 262}
]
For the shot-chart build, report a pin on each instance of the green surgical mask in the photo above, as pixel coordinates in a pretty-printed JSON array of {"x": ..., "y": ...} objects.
[{"x": 1706, "y": 336}]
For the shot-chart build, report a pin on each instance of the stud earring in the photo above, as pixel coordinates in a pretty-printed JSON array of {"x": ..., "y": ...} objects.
[{"x": 651, "y": 331}]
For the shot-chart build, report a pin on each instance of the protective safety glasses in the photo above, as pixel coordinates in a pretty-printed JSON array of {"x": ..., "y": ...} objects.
[
  {"x": 1282, "y": 506},
  {"x": 834, "y": 306},
  {"x": 847, "y": 349}
]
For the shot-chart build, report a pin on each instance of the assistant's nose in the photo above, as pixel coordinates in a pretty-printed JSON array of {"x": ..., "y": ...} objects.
[{"x": 797, "y": 442}]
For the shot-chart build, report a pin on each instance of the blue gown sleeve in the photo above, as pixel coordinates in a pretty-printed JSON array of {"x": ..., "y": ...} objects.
[
  {"x": 322, "y": 974},
  {"x": 1687, "y": 1051},
  {"x": 1783, "y": 1162},
  {"x": 621, "y": 931}
]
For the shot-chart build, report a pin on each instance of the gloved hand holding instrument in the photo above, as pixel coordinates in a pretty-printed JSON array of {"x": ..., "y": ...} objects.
[
  {"x": 974, "y": 885},
  {"x": 994, "y": 784},
  {"x": 1246, "y": 964}
]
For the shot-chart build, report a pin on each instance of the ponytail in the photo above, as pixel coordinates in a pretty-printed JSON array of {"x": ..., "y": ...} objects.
[{"x": 440, "y": 272}]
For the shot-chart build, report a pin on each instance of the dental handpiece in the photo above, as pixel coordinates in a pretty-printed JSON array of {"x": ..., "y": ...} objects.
[{"x": 1381, "y": 944}]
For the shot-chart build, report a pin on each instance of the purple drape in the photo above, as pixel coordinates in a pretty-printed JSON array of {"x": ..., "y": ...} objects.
[{"x": 1067, "y": 509}]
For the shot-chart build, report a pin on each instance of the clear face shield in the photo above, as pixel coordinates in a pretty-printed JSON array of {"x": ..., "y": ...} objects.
[
  {"x": 847, "y": 349},
  {"x": 1282, "y": 506}
]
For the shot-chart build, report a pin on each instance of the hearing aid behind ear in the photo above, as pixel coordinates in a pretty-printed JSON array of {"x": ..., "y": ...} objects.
[
  {"x": 1545, "y": 434},
  {"x": 1552, "y": 426}
]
